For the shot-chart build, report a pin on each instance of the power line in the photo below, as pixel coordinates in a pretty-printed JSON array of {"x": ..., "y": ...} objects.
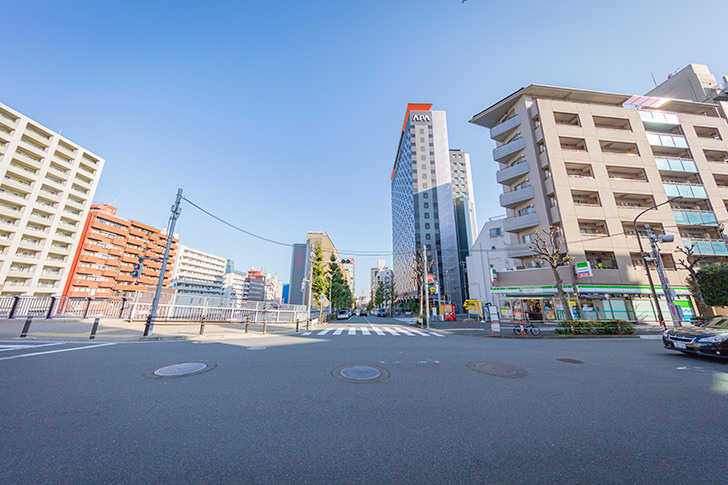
[{"x": 236, "y": 227}]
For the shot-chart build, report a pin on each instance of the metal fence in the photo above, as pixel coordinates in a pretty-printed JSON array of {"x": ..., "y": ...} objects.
[{"x": 127, "y": 309}]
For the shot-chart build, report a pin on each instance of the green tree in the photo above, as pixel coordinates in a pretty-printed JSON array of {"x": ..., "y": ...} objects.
[
  {"x": 379, "y": 296},
  {"x": 341, "y": 296},
  {"x": 548, "y": 246},
  {"x": 319, "y": 283},
  {"x": 713, "y": 281},
  {"x": 389, "y": 293},
  {"x": 370, "y": 306}
]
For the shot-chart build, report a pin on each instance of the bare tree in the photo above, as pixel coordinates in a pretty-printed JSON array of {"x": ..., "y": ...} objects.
[
  {"x": 419, "y": 273},
  {"x": 691, "y": 263},
  {"x": 548, "y": 247}
]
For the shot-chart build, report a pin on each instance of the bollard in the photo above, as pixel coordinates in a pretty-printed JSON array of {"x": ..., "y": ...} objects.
[
  {"x": 148, "y": 325},
  {"x": 297, "y": 325},
  {"x": 26, "y": 327},
  {"x": 94, "y": 328},
  {"x": 202, "y": 325},
  {"x": 265, "y": 325}
]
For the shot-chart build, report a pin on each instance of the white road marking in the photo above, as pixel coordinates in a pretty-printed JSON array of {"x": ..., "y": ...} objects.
[
  {"x": 379, "y": 332},
  {"x": 364, "y": 331},
  {"x": 437, "y": 334},
  {"x": 651, "y": 337},
  {"x": 420, "y": 333},
  {"x": 391, "y": 331},
  {"x": 56, "y": 351},
  {"x": 339, "y": 330},
  {"x": 352, "y": 331},
  {"x": 324, "y": 331},
  {"x": 6, "y": 347},
  {"x": 307, "y": 333},
  {"x": 406, "y": 332}
]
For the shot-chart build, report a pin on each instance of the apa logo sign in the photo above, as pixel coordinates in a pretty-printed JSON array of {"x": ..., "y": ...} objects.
[{"x": 420, "y": 118}]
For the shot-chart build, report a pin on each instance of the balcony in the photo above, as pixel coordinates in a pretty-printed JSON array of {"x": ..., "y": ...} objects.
[
  {"x": 695, "y": 218},
  {"x": 508, "y": 175},
  {"x": 499, "y": 132},
  {"x": 518, "y": 223},
  {"x": 510, "y": 199},
  {"x": 686, "y": 191},
  {"x": 519, "y": 250},
  {"x": 707, "y": 247},
  {"x": 504, "y": 151}
]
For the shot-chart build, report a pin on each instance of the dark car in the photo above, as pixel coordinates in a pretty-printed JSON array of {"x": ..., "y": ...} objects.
[
  {"x": 710, "y": 338},
  {"x": 363, "y": 313},
  {"x": 381, "y": 313}
]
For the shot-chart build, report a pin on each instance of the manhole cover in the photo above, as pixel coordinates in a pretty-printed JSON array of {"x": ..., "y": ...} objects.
[
  {"x": 257, "y": 348},
  {"x": 497, "y": 369},
  {"x": 571, "y": 361},
  {"x": 360, "y": 373},
  {"x": 181, "y": 370}
]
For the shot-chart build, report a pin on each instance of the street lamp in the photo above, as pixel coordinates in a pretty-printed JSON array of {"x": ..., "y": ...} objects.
[{"x": 644, "y": 260}]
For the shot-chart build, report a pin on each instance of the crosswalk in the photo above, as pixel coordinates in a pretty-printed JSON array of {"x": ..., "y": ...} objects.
[{"x": 374, "y": 331}]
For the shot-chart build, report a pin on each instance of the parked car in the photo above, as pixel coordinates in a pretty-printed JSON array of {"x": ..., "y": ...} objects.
[
  {"x": 343, "y": 314},
  {"x": 381, "y": 313},
  {"x": 710, "y": 338}
]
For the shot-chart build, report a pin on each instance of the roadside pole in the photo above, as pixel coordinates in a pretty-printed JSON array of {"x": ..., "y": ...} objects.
[
  {"x": 176, "y": 210},
  {"x": 425, "y": 285}
]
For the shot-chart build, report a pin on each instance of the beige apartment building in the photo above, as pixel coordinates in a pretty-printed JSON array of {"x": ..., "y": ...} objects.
[
  {"x": 47, "y": 186},
  {"x": 590, "y": 162}
]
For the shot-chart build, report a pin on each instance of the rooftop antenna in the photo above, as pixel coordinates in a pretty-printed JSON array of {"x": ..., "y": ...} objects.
[{"x": 653, "y": 79}]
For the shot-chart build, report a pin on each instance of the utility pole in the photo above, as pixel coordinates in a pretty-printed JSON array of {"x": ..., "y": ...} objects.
[
  {"x": 176, "y": 210},
  {"x": 424, "y": 282},
  {"x": 669, "y": 295}
]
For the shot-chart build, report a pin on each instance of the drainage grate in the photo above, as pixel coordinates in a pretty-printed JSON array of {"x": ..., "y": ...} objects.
[
  {"x": 360, "y": 373},
  {"x": 180, "y": 370},
  {"x": 497, "y": 369},
  {"x": 571, "y": 361}
]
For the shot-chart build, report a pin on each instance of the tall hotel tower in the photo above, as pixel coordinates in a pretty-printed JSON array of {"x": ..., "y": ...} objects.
[{"x": 423, "y": 210}]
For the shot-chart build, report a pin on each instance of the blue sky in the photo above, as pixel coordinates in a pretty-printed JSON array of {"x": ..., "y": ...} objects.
[{"x": 284, "y": 116}]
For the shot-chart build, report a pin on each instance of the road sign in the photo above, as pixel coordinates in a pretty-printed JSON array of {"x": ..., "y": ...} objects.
[
  {"x": 321, "y": 297},
  {"x": 430, "y": 278}
]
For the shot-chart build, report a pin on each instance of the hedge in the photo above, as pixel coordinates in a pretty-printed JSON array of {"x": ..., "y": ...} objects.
[{"x": 590, "y": 327}]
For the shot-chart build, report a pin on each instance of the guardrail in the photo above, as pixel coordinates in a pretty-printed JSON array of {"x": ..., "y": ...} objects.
[{"x": 126, "y": 309}]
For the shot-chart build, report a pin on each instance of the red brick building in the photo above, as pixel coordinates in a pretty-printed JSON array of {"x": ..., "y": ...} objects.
[{"x": 109, "y": 248}]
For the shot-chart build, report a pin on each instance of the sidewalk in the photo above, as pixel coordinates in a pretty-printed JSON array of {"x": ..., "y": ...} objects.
[
  {"x": 115, "y": 330},
  {"x": 483, "y": 329}
]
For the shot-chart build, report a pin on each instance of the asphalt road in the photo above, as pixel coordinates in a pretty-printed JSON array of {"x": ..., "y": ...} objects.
[{"x": 270, "y": 410}]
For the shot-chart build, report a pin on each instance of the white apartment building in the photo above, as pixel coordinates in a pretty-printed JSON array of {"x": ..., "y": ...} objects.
[
  {"x": 488, "y": 257},
  {"x": 591, "y": 163},
  {"x": 47, "y": 186},
  {"x": 198, "y": 273},
  {"x": 373, "y": 276},
  {"x": 233, "y": 286}
]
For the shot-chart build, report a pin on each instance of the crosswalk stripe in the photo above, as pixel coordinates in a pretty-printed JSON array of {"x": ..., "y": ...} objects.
[
  {"x": 352, "y": 331},
  {"x": 391, "y": 331},
  {"x": 379, "y": 332},
  {"x": 406, "y": 332},
  {"x": 364, "y": 331},
  {"x": 338, "y": 331},
  {"x": 307, "y": 333},
  {"x": 420, "y": 333},
  {"x": 437, "y": 334},
  {"x": 324, "y": 331}
]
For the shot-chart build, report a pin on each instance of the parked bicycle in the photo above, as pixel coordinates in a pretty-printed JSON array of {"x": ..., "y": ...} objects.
[{"x": 527, "y": 327}]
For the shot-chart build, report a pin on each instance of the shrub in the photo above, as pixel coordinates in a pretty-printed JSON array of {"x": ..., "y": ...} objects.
[{"x": 599, "y": 327}]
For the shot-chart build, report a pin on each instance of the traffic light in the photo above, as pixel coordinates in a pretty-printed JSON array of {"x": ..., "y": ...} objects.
[{"x": 137, "y": 271}]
